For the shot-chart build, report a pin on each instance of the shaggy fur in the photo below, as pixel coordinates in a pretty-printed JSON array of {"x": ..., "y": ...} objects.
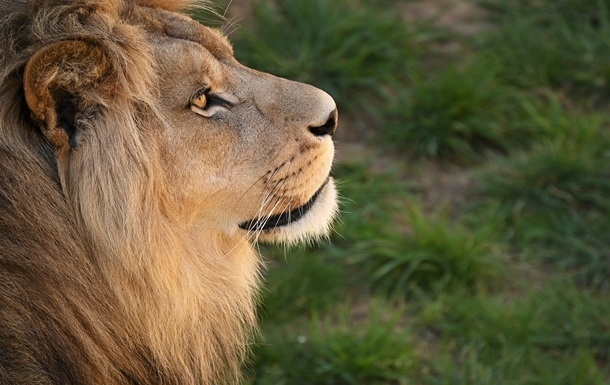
[{"x": 112, "y": 269}]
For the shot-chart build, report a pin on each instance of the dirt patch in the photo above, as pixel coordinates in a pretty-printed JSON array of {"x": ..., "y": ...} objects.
[
  {"x": 444, "y": 189},
  {"x": 461, "y": 17}
]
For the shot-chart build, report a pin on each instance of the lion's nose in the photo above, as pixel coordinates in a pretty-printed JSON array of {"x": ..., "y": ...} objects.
[{"x": 329, "y": 127}]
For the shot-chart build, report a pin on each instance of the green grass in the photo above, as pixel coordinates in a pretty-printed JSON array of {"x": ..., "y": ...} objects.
[
  {"x": 569, "y": 172},
  {"x": 554, "y": 44},
  {"x": 307, "y": 283},
  {"x": 368, "y": 201},
  {"x": 431, "y": 255},
  {"x": 556, "y": 336},
  {"x": 503, "y": 279},
  {"x": 459, "y": 114},
  {"x": 329, "y": 351},
  {"x": 553, "y": 200}
]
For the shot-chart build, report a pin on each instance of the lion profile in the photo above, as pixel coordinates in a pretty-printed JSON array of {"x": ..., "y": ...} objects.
[{"x": 139, "y": 161}]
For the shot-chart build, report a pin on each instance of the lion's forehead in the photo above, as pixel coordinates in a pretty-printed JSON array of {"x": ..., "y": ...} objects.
[
  {"x": 110, "y": 21},
  {"x": 178, "y": 26}
]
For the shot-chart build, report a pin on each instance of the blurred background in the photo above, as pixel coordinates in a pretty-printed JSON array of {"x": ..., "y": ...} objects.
[{"x": 473, "y": 152}]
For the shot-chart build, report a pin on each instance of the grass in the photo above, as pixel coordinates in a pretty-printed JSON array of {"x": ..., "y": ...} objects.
[
  {"x": 458, "y": 114},
  {"x": 554, "y": 201},
  {"x": 432, "y": 255},
  {"x": 308, "y": 284},
  {"x": 327, "y": 351},
  {"x": 569, "y": 172},
  {"x": 556, "y": 336},
  {"x": 570, "y": 51},
  {"x": 503, "y": 280}
]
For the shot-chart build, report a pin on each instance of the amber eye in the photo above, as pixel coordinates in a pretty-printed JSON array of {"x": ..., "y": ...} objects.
[
  {"x": 206, "y": 104},
  {"x": 200, "y": 99}
]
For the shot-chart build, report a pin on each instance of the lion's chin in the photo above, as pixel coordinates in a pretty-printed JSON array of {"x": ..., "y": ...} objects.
[{"x": 310, "y": 221}]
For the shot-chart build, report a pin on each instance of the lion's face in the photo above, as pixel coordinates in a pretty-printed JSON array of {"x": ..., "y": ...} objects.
[
  {"x": 241, "y": 151},
  {"x": 245, "y": 151}
]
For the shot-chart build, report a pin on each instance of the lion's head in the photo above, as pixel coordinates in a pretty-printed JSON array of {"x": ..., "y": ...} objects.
[
  {"x": 237, "y": 150},
  {"x": 153, "y": 159}
]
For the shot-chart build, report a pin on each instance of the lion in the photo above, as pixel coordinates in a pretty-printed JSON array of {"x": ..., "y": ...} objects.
[{"x": 139, "y": 164}]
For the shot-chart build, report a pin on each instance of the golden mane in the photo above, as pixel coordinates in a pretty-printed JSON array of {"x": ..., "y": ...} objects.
[{"x": 119, "y": 306}]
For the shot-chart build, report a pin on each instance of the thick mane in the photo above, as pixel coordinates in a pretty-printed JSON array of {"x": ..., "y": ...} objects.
[{"x": 122, "y": 292}]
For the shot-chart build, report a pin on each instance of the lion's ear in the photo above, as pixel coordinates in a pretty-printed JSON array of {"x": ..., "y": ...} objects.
[{"x": 56, "y": 80}]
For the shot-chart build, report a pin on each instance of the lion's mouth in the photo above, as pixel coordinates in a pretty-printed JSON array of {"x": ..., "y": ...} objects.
[{"x": 283, "y": 219}]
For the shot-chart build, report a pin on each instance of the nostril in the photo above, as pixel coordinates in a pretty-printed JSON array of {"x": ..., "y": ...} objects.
[{"x": 327, "y": 128}]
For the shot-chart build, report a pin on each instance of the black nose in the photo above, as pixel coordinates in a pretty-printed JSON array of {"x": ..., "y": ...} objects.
[{"x": 327, "y": 128}]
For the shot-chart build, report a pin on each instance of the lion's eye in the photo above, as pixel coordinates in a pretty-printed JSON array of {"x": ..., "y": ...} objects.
[
  {"x": 200, "y": 99},
  {"x": 206, "y": 104}
]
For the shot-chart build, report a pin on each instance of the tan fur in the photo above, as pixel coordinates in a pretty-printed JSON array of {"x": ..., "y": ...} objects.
[{"x": 124, "y": 254}]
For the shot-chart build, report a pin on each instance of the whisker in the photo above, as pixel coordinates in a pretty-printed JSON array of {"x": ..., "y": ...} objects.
[
  {"x": 250, "y": 188},
  {"x": 271, "y": 196}
]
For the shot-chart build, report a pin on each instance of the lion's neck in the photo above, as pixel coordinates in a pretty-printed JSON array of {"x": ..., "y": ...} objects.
[{"x": 191, "y": 299}]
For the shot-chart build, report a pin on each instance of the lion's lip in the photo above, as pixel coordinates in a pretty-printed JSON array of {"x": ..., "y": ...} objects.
[{"x": 283, "y": 219}]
